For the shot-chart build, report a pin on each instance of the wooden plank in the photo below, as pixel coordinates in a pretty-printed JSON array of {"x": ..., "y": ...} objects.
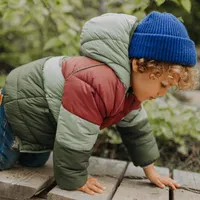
[
  {"x": 136, "y": 186},
  {"x": 21, "y": 183},
  {"x": 37, "y": 198},
  {"x": 107, "y": 171},
  {"x": 34, "y": 198},
  {"x": 181, "y": 194},
  {"x": 190, "y": 185},
  {"x": 187, "y": 179}
]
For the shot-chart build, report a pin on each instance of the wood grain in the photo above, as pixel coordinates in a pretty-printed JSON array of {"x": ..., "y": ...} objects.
[
  {"x": 190, "y": 185},
  {"x": 187, "y": 179},
  {"x": 108, "y": 172},
  {"x": 20, "y": 183},
  {"x": 135, "y": 186},
  {"x": 182, "y": 194}
]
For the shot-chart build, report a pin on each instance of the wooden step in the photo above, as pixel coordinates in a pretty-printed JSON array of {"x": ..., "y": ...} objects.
[
  {"x": 123, "y": 181},
  {"x": 135, "y": 186},
  {"x": 190, "y": 185},
  {"x": 108, "y": 172},
  {"x": 21, "y": 183}
]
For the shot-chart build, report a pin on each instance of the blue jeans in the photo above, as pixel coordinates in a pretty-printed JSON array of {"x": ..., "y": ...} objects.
[{"x": 9, "y": 156}]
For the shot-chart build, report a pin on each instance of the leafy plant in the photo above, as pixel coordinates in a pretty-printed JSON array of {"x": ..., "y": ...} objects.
[
  {"x": 174, "y": 121},
  {"x": 2, "y": 80},
  {"x": 31, "y": 29}
]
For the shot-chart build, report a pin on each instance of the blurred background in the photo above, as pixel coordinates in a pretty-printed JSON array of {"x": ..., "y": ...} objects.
[{"x": 32, "y": 29}]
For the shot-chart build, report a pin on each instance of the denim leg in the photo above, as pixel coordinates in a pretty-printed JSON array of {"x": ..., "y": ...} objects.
[
  {"x": 33, "y": 159},
  {"x": 8, "y": 156}
]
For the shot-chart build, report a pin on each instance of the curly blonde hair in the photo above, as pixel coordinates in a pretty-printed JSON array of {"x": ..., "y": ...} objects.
[{"x": 188, "y": 77}]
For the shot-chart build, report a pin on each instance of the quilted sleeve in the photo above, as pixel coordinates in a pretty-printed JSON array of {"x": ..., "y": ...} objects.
[
  {"x": 81, "y": 113},
  {"x": 138, "y": 137}
]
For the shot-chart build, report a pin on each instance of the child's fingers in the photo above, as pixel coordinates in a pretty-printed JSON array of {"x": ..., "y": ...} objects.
[
  {"x": 176, "y": 184},
  {"x": 100, "y": 186},
  {"x": 95, "y": 189},
  {"x": 88, "y": 191},
  {"x": 92, "y": 186},
  {"x": 170, "y": 184},
  {"x": 159, "y": 183}
]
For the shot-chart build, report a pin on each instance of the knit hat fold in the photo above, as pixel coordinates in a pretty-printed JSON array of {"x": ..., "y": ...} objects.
[{"x": 162, "y": 37}]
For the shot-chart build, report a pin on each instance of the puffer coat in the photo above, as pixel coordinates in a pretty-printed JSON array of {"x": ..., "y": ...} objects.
[{"x": 61, "y": 103}]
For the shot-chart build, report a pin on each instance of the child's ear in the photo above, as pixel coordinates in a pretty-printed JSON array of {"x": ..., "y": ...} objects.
[{"x": 134, "y": 65}]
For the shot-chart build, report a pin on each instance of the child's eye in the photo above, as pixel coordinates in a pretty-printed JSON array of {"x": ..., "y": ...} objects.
[{"x": 164, "y": 84}]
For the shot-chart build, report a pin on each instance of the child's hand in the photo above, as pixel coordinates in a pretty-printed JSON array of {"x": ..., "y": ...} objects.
[
  {"x": 160, "y": 181},
  {"x": 92, "y": 186}
]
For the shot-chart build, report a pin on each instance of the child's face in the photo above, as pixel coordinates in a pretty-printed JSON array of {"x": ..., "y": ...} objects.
[{"x": 146, "y": 88}]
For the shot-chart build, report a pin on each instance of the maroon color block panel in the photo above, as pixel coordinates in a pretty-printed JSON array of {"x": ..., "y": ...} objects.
[
  {"x": 130, "y": 103},
  {"x": 93, "y": 92}
]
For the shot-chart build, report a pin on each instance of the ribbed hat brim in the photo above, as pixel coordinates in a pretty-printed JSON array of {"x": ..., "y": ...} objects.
[{"x": 163, "y": 48}]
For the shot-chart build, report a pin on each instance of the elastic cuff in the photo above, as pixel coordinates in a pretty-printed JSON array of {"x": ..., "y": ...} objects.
[{"x": 148, "y": 165}]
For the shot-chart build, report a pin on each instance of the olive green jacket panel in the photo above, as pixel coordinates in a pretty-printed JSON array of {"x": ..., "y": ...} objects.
[
  {"x": 138, "y": 137},
  {"x": 24, "y": 93}
]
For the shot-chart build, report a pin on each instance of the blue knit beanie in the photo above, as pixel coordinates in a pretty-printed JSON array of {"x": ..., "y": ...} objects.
[{"x": 162, "y": 37}]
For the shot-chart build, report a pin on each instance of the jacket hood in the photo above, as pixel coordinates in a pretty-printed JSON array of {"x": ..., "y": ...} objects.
[{"x": 106, "y": 38}]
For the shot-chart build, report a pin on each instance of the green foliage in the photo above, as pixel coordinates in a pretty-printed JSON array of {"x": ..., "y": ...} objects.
[
  {"x": 2, "y": 80},
  {"x": 159, "y": 2},
  {"x": 173, "y": 121},
  {"x": 177, "y": 130},
  {"x": 31, "y": 29},
  {"x": 113, "y": 136},
  {"x": 186, "y": 5},
  {"x": 186, "y": 10},
  {"x": 35, "y": 29}
]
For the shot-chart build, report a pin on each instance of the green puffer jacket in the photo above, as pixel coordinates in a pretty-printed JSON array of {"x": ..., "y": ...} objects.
[{"x": 61, "y": 103}]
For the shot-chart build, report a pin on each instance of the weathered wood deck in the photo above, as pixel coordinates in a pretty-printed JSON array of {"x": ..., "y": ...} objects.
[{"x": 122, "y": 180}]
